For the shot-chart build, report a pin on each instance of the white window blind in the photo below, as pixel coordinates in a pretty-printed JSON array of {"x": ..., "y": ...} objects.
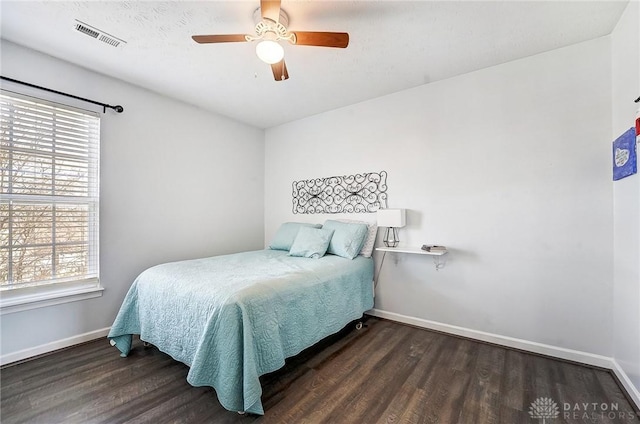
[{"x": 49, "y": 193}]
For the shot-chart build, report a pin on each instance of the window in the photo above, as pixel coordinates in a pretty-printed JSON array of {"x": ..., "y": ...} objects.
[{"x": 49, "y": 195}]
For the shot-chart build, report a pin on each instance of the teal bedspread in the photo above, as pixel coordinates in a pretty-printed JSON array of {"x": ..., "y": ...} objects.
[{"x": 233, "y": 318}]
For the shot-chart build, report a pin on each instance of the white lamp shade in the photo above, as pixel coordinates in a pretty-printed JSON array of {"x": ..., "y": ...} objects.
[
  {"x": 269, "y": 51},
  {"x": 395, "y": 218}
]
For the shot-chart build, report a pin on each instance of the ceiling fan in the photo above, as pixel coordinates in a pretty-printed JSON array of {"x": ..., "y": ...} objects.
[{"x": 271, "y": 27}]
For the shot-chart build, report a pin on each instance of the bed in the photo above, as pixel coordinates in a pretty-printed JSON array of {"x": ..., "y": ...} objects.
[{"x": 235, "y": 317}]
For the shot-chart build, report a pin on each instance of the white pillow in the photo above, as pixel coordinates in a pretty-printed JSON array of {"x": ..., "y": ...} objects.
[{"x": 370, "y": 240}]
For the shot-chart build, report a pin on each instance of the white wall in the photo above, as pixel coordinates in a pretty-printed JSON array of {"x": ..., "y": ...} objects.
[
  {"x": 509, "y": 167},
  {"x": 176, "y": 182},
  {"x": 625, "y": 45}
]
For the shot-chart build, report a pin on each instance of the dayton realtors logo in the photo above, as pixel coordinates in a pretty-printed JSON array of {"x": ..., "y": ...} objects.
[
  {"x": 544, "y": 409},
  {"x": 595, "y": 411},
  {"x": 547, "y": 409}
]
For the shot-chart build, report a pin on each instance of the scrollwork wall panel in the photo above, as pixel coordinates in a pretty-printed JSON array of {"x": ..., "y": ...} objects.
[{"x": 359, "y": 193}]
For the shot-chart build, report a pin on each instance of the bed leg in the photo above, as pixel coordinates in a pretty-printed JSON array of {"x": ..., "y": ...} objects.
[
  {"x": 359, "y": 325},
  {"x": 241, "y": 412}
]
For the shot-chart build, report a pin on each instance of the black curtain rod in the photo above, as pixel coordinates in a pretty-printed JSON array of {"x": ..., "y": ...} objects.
[
  {"x": 637, "y": 100},
  {"x": 117, "y": 108}
]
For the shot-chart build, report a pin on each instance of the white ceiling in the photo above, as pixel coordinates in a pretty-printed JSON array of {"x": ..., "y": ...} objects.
[{"x": 394, "y": 45}]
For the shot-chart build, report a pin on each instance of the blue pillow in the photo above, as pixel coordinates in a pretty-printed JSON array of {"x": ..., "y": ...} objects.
[
  {"x": 348, "y": 238},
  {"x": 287, "y": 233},
  {"x": 311, "y": 242}
]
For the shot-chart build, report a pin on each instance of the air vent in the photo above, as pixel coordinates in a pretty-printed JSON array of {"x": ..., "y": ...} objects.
[
  {"x": 109, "y": 40},
  {"x": 98, "y": 34},
  {"x": 86, "y": 30}
]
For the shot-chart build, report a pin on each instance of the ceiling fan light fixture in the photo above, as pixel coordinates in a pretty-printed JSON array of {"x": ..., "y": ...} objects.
[
  {"x": 270, "y": 31},
  {"x": 270, "y": 51}
]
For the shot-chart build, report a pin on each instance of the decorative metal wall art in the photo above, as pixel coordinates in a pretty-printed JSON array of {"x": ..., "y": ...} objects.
[{"x": 359, "y": 193}]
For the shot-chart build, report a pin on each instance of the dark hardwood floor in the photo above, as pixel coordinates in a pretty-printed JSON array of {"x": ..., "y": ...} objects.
[{"x": 385, "y": 373}]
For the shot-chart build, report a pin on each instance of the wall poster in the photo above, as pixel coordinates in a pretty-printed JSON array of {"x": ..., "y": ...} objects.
[{"x": 625, "y": 158}]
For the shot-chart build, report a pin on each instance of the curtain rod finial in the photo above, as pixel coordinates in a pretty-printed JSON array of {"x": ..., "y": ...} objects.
[{"x": 118, "y": 108}]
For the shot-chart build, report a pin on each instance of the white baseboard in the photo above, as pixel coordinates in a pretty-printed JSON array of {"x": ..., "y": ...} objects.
[
  {"x": 52, "y": 346},
  {"x": 557, "y": 352},
  {"x": 529, "y": 346},
  {"x": 626, "y": 382}
]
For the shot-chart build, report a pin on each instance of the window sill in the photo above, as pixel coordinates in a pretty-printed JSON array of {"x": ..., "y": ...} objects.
[{"x": 24, "y": 300}]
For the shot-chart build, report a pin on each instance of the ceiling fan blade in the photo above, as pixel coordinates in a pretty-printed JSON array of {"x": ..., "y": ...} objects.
[
  {"x": 280, "y": 71},
  {"x": 321, "y": 39},
  {"x": 270, "y": 9},
  {"x": 221, "y": 38}
]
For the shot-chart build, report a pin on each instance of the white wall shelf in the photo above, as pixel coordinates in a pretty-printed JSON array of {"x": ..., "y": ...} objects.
[
  {"x": 439, "y": 264},
  {"x": 414, "y": 250}
]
